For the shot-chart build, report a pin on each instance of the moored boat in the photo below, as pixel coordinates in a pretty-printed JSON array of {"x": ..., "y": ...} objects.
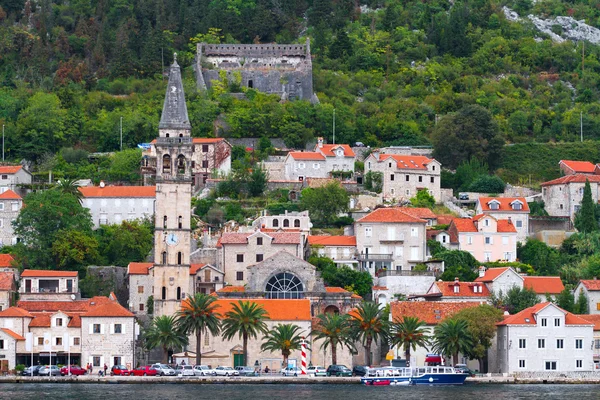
[{"x": 436, "y": 375}]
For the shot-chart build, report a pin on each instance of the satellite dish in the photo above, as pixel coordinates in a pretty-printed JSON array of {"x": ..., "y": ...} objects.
[
  {"x": 73, "y": 297},
  {"x": 101, "y": 184}
]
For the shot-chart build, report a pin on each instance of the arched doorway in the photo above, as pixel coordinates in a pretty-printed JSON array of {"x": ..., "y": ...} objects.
[{"x": 331, "y": 309}]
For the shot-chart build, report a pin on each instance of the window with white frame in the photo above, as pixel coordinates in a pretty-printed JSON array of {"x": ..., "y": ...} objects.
[
  {"x": 504, "y": 240},
  {"x": 544, "y": 322},
  {"x": 469, "y": 239},
  {"x": 488, "y": 256},
  {"x": 368, "y": 231},
  {"x": 489, "y": 240},
  {"x": 579, "y": 344},
  {"x": 522, "y": 364},
  {"x": 556, "y": 321},
  {"x": 414, "y": 232},
  {"x": 541, "y": 343},
  {"x": 118, "y": 328},
  {"x": 519, "y": 223},
  {"x": 560, "y": 343},
  {"x": 578, "y": 364},
  {"x": 522, "y": 343},
  {"x": 316, "y": 165},
  {"x": 550, "y": 365},
  {"x": 96, "y": 361},
  {"x": 14, "y": 206},
  {"x": 301, "y": 165},
  {"x": 486, "y": 222}
]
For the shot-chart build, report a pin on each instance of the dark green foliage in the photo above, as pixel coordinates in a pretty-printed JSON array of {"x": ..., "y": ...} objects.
[
  {"x": 324, "y": 203},
  {"x": 566, "y": 301},
  {"x": 344, "y": 277},
  {"x": 515, "y": 300},
  {"x": 131, "y": 241},
  {"x": 468, "y": 172},
  {"x": 487, "y": 184},
  {"x": 435, "y": 248},
  {"x": 544, "y": 259},
  {"x": 423, "y": 199},
  {"x": 582, "y": 306},
  {"x": 586, "y": 220},
  {"x": 537, "y": 209},
  {"x": 458, "y": 264},
  {"x": 373, "y": 181}
]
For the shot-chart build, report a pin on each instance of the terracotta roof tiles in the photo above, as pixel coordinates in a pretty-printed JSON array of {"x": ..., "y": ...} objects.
[
  {"x": 491, "y": 274},
  {"x": 327, "y": 150},
  {"x": 12, "y": 312},
  {"x": 464, "y": 225},
  {"x": 591, "y": 284},
  {"x": 419, "y": 212},
  {"x": 12, "y": 334},
  {"x": 576, "y": 178},
  {"x": 407, "y": 162},
  {"x": 584, "y": 167},
  {"x": 111, "y": 309},
  {"x": 332, "y": 240},
  {"x": 232, "y": 289},
  {"x": 504, "y": 204},
  {"x": 277, "y": 310},
  {"x": 48, "y": 273},
  {"x": 392, "y": 214},
  {"x": 10, "y": 169},
  {"x": 335, "y": 289},
  {"x": 593, "y": 318},
  {"x": 118, "y": 191},
  {"x": 40, "y": 320},
  {"x": 10, "y": 195},
  {"x": 7, "y": 281},
  {"x": 465, "y": 289},
  {"x": 544, "y": 284},
  {"x": 7, "y": 260},
  {"x": 307, "y": 155},
  {"x": 506, "y": 226},
  {"x": 138, "y": 268},
  {"x": 431, "y": 312},
  {"x": 528, "y": 317}
]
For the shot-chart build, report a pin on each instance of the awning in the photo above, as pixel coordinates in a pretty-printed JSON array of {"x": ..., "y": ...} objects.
[{"x": 433, "y": 358}]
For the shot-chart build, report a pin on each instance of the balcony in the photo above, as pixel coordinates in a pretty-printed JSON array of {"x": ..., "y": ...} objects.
[
  {"x": 375, "y": 257},
  {"x": 389, "y": 272},
  {"x": 174, "y": 141},
  {"x": 396, "y": 238}
]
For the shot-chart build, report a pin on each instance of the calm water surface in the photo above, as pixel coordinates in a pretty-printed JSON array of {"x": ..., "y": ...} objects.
[{"x": 292, "y": 392}]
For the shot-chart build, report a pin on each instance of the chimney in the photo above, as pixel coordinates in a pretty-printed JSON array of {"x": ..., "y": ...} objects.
[
  {"x": 595, "y": 278},
  {"x": 456, "y": 279},
  {"x": 509, "y": 221},
  {"x": 481, "y": 271},
  {"x": 320, "y": 142},
  {"x": 102, "y": 184}
]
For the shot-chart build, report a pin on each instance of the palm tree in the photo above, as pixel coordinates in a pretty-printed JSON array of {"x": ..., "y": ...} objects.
[
  {"x": 246, "y": 320},
  {"x": 367, "y": 325},
  {"x": 335, "y": 330},
  {"x": 284, "y": 338},
  {"x": 198, "y": 315},
  {"x": 452, "y": 337},
  {"x": 164, "y": 333},
  {"x": 69, "y": 186},
  {"x": 410, "y": 332}
]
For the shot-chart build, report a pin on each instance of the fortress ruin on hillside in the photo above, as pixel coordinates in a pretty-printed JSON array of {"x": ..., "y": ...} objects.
[{"x": 282, "y": 69}]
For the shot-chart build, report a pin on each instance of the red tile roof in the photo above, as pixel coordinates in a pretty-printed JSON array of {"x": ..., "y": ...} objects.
[
  {"x": 10, "y": 195},
  {"x": 12, "y": 334},
  {"x": 593, "y": 318},
  {"x": 528, "y": 317},
  {"x": 64, "y": 306},
  {"x": 328, "y": 149},
  {"x": 118, "y": 191},
  {"x": 232, "y": 289},
  {"x": 506, "y": 226},
  {"x": 431, "y": 312},
  {"x": 138, "y": 268},
  {"x": 576, "y": 178},
  {"x": 12, "y": 312},
  {"x": 278, "y": 310},
  {"x": 466, "y": 289},
  {"x": 335, "y": 289},
  {"x": 278, "y": 238},
  {"x": 6, "y": 260},
  {"x": 10, "y": 169},
  {"x": 544, "y": 284},
  {"x": 392, "y": 214},
  {"x": 75, "y": 321},
  {"x": 306, "y": 155},
  {"x": 194, "y": 268},
  {"x": 379, "y": 288},
  {"x": 584, "y": 167},
  {"x": 464, "y": 225},
  {"x": 48, "y": 273},
  {"x": 504, "y": 203},
  {"x": 419, "y": 212},
  {"x": 444, "y": 219},
  {"x": 332, "y": 240},
  {"x": 7, "y": 281},
  {"x": 491, "y": 274},
  {"x": 591, "y": 284},
  {"x": 407, "y": 162},
  {"x": 40, "y": 320},
  {"x": 111, "y": 309}
]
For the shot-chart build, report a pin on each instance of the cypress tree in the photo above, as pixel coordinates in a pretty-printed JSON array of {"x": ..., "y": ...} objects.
[{"x": 585, "y": 219}]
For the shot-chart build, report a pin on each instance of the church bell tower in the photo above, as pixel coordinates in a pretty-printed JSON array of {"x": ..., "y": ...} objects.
[{"x": 171, "y": 271}]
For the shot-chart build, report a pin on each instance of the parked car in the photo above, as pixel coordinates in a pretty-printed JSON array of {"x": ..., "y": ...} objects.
[
  {"x": 185, "y": 370},
  {"x": 28, "y": 371},
  {"x": 463, "y": 369},
  {"x": 291, "y": 371},
  {"x": 246, "y": 371},
  {"x": 316, "y": 371},
  {"x": 48, "y": 370},
  {"x": 226, "y": 371},
  {"x": 73, "y": 370},
  {"x": 204, "y": 370},
  {"x": 145, "y": 370},
  {"x": 338, "y": 370},
  {"x": 119, "y": 370},
  {"x": 463, "y": 196},
  {"x": 164, "y": 370},
  {"x": 360, "y": 370}
]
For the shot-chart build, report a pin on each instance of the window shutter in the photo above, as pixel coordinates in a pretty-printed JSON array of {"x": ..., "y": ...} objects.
[
  {"x": 112, "y": 328},
  {"x": 91, "y": 326},
  {"x": 123, "y": 328},
  {"x": 102, "y": 360},
  {"x": 102, "y": 329}
]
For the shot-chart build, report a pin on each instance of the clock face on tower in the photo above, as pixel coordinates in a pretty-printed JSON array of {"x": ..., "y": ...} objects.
[{"x": 172, "y": 239}]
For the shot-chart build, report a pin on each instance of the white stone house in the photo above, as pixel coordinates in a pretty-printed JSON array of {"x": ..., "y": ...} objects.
[
  {"x": 48, "y": 285},
  {"x": 544, "y": 338},
  {"x": 341, "y": 249},
  {"x": 591, "y": 290},
  {"x": 404, "y": 176},
  {"x": 325, "y": 161},
  {"x": 515, "y": 209},
  {"x": 289, "y": 221},
  {"x": 501, "y": 280},
  {"x": 13, "y": 175},
  {"x": 10, "y": 207},
  {"x": 562, "y": 196},
  {"x": 115, "y": 204}
]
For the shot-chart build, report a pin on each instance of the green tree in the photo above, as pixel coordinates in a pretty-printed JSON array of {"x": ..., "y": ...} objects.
[
  {"x": 198, "y": 315},
  {"x": 368, "y": 325},
  {"x": 374, "y": 181},
  {"x": 566, "y": 301},
  {"x": 257, "y": 182},
  {"x": 284, "y": 338},
  {"x": 544, "y": 259},
  {"x": 586, "y": 220},
  {"x": 125, "y": 166},
  {"x": 325, "y": 203},
  {"x": 335, "y": 330},
  {"x": 131, "y": 241},
  {"x": 515, "y": 300},
  {"x": 451, "y": 337},
  {"x": 68, "y": 186},
  {"x": 74, "y": 250},
  {"x": 409, "y": 332},
  {"x": 359, "y": 282},
  {"x": 487, "y": 184},
  {"x": 471, "y": 132},
  {"x": 423, "y": 199},
  {"x": 48, "y": 216},
  {"x": 481, "y": 321},
  {"x": 245, "y": 320},
  {"x": 459, "y": 264},
  {"x": 164, "y": 333},
  {"x": 467, "y": 172},
  {"x": 582, "y": 306}
]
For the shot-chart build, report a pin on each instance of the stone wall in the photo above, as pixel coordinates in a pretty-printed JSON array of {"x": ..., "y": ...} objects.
[
  {"x": 539, "y": 224},
  {"x": 117, "y": 278},
  {"x": 107, "y": 344}
]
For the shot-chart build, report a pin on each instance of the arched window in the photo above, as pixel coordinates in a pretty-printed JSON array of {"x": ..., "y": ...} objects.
[
  {"x": 179, "y": 257},
  {"x": 164, "y": 258},
  {"x": 178, "y": 293},
  {"x": 275, "y": 223},
  {"x": 181, "y": 164},
  {"x": 286, "y": 223},
  {"x": 181, "y": 135},
  {"x": 180, "y": 222},
  {"x": 164, "y": 293},
  {"x": 167, "y": 164},
  {"x": 167, "y": 135},
  {"x": 165, "y": 222},
  {"x": 296, "y": 223},
  {"x": 284, "y": 285}
]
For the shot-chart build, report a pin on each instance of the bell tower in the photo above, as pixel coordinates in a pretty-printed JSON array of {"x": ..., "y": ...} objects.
[{"x": 171, "y": 271}]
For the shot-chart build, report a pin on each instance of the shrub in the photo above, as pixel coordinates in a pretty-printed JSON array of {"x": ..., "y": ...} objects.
[{"x": 487, "y": 184}]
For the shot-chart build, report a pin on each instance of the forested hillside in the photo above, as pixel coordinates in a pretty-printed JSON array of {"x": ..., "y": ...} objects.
[{"x": 70, "y": 69}]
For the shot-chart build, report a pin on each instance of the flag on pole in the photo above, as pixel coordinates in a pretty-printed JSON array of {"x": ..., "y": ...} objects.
[{"x": 29, "y": 341}]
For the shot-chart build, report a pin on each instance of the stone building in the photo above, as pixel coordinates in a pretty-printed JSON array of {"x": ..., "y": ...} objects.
[
  {"x": 11, "y": 176},
  {"x": 115, "y": 204},
  {"x": 281, "y": 69},
  {"x": 326, "y": 161},
  {"x": 341, "y": 249},
  {"x": 289, "y": 221},
  {"x": 48, "y": 285},
  {"x": 562, "y": 196},
  {"x": 404, "y": 175},
  {"x": 210, "y": 158},
  {"x": 10, "y": 207},
  {"x": 591, "y": 290},
  {"x": 570, "y": 167},
  {"x": 501, "y": 280},
  {"x": 456, "y": 291},
  {"x": 237, "y": 251},
  {"x": 514, "y": 209}
]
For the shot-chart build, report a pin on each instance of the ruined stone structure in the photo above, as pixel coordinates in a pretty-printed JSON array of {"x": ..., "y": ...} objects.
[{"x": 282, "y": 69}]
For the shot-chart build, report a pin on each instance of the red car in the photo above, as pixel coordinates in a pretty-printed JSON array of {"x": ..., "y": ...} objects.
[
  {"x": 120, "y": 370},
  {"x": 73, "y": 369},
  {"x": 145, "y": 370}
]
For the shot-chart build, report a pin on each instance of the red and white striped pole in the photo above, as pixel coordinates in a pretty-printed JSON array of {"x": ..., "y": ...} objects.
[{"x": 303, "y": 365}]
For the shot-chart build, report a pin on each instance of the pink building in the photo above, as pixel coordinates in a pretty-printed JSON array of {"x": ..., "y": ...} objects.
[{"x": 485, "y": 237}]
